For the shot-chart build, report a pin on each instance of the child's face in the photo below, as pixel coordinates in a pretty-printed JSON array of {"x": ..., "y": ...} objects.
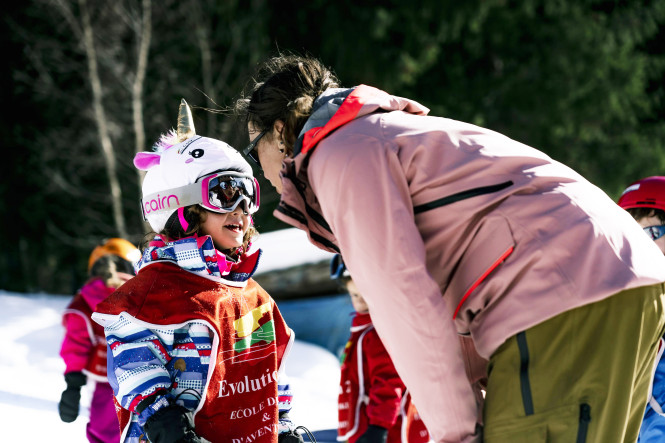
[
  {"x": 654, "y": 221},
  {"x": 227, "y": 230},
  {"x": 357, "y": 301}
]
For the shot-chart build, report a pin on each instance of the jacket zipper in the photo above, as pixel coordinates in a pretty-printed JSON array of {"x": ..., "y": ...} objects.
[
  {"x": 482, "y": 278},
  {"x": 293, "y": 213},
  {"x": 461, "y": 196},
  {"x": 525, "y": 384},
  {"x": 300, "y": 187},
  {"x": 585, "y": 418}
]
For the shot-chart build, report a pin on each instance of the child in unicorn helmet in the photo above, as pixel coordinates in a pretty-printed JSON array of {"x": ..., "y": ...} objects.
[{"x": 197, "y": 347}]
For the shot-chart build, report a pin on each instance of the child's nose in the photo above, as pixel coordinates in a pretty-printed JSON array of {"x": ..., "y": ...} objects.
[{"x": 240, "y": 209}]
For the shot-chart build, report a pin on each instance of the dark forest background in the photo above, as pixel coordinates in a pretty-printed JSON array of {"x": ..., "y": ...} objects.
[{"x": 88, "y": 83}]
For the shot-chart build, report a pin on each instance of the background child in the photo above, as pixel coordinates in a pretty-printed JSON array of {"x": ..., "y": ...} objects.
[
  {"x": 197, "y": 345},
  {"x": 645, "y": 201},
  {"x": 374, "y": 405},
  {"x": 84, "y": 347}
]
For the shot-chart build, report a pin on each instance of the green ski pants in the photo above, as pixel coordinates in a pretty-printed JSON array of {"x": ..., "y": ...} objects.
[{"x": 582, "y": 376}]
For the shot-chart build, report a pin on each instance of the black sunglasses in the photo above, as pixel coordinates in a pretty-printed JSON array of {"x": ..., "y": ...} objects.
[{"x": 249, "y": 150}]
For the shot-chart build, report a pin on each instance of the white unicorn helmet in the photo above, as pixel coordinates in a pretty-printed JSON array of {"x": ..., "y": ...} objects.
[{"x": 187, "y": 169}]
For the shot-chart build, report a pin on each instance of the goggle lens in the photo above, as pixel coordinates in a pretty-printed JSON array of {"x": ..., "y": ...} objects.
[
  {"x": 655, "y": 232},
  {"x": 226, "y": 192}
]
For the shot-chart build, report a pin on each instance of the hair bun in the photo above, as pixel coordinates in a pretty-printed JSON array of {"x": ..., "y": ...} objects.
[{"x": 303, "y": 104}]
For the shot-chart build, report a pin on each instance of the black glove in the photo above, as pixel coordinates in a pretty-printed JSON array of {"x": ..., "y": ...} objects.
[
  {"x": 290, "y": 437},
  {"x": 374, "y": 434},
  {"x": 172, "y": 424},
  {"x": 71, "y": 397}
]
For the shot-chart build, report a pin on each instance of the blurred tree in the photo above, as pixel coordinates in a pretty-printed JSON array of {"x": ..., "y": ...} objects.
[
  {"x": 107, "y": 78},
  {"x": 582, "y": 80},
  {"x": 569, "y": 78},
  {"x": 77, "y": 74}
]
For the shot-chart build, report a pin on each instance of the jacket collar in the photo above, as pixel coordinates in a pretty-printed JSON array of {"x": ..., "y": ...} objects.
[
  {"x": 94, "y": 291},
  {"x": 361, "y": 319},
  {"x": 333, "y": 109},
  {"x": 338, "y": 106},
  {"x": 199, "y": 256}
]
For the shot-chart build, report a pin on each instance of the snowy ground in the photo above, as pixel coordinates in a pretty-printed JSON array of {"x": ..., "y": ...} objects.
[
  {"x": 31, "y": 375},
  {"x": 285, "y": 248}
]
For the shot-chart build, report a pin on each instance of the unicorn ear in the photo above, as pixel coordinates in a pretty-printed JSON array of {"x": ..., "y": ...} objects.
[
  {"x": 146, "y": 160},
  {"x": 185, "y": 122}
]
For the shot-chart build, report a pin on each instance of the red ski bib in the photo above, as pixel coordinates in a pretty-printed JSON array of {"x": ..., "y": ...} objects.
[{"x": 251, "y": 341}]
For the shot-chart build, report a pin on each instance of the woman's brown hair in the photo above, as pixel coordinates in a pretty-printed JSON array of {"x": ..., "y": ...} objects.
[{"x": 285, "y": 88}]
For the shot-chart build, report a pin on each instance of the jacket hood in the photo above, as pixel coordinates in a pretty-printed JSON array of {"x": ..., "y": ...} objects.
[
  {"x": 338, "y": 106},
  {"x": 333, "y": 109},
  {"x": 94, "y": 291}
]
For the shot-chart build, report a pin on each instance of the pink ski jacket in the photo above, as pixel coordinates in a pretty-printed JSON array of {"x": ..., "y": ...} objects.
[
  {"x": 449, "y": 228},
  {"x": 84, "y": 345}
]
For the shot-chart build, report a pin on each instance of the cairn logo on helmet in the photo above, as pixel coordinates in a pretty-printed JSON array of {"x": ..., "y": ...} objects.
[{"x": 159, "y": 203}]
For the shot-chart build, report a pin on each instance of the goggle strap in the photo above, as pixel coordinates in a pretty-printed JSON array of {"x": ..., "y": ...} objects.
[
  {"x": 181, "y": 217},
  {"x": 171, "y": 199},
  {"x": 257, "y": 190}
]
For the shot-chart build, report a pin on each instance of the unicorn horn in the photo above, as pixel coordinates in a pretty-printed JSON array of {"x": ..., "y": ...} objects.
[{"x": 185, "y": 122}]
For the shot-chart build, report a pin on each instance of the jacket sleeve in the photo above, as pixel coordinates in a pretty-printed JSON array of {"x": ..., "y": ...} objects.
[
  {"x": 653, "y": 424},
  {"x": 77, "y": 344},
  {"x": 385, "y": 387},
  {"x": 365, "y": 198},
  {"x": 137, "y": 368},
  {"x": 653, "y": 427},
  {"x": 476, "y": 371}
]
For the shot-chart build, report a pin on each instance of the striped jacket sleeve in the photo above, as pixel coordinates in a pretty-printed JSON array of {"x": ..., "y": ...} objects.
[{"x": 137, "y": 360}]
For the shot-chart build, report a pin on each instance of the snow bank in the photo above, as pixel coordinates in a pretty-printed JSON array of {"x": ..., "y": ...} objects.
[{"x": 31, "y": 377}]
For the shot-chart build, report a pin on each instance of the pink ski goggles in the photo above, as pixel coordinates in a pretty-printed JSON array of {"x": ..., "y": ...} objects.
[{"x": 220, "y": 192}]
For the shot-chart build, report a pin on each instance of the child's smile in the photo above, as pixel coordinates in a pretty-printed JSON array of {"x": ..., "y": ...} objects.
[
  {"x": 236, "y": 228},
  {"x": 227, "y": 230}
]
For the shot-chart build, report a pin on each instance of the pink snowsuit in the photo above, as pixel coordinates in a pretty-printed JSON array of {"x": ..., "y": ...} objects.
[{"x": 84, "y": 350}]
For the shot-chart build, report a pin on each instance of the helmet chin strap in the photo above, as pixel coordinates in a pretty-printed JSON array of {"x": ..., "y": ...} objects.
[{"x": 181, "y": 217}]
